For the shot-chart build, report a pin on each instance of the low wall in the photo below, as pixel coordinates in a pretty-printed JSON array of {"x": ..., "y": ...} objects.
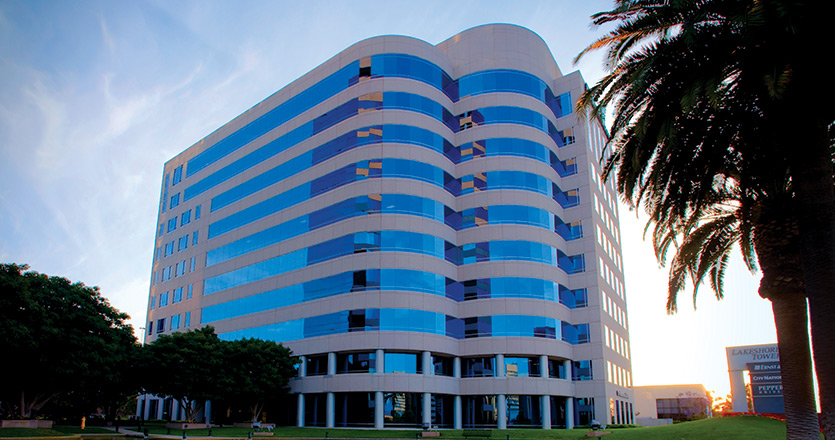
[
  {"x": 186, "y": 425},
  {"x": 26, "y": 424},
  {"x": 652, "y": 421}
]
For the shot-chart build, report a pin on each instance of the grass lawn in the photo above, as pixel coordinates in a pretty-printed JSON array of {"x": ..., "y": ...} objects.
[
  {"x": 738, "y": 428},
  {"x": 55, "y": 431}
]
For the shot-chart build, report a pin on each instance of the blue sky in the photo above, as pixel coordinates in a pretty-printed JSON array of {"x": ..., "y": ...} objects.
[{"x": 96, "y": 95}]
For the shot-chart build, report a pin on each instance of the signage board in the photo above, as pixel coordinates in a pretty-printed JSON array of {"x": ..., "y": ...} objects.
[{"x": 766, "y": 387}]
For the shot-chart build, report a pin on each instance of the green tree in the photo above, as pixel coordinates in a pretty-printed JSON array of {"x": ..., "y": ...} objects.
[
  {"x": 741, "y": 72},
  {"x": 187, "y": 367},
  {"x": 59, "y": 339},
  {"x": 256, "y": 372}
]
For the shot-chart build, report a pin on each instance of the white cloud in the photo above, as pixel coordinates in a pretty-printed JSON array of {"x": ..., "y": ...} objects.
[
  {"x": 51, "y": 145},
  {"x": 105, "y": 35}
]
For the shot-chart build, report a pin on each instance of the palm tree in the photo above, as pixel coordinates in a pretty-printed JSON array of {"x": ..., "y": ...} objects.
[
  {"x": 763, "y": 230},
  {"x": 705, "y": 83},
  {"x": 743, "y": 202}
]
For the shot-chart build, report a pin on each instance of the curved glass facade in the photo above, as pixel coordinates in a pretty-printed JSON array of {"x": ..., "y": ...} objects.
[{"x": 394, "y": 225}]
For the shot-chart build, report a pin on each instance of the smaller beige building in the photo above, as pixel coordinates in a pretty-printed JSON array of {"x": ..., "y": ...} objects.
[{"x": 663, "y": 404}]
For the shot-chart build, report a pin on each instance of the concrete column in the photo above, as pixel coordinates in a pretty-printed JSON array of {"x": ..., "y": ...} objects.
[
  {"x": 175, "y": 409},
  {"x": 546, "y": 412},
  {"x": 160, "y": 409},
  {"x": 456, "y": 410},
  {"x": 569, "y": 412},
  {"x": 380, "y": 366},
  {"x": 207, "y": 412},
  {"x": 740, "y": 403},
  {"x": 141, "y": 404},
  {"x": 427, "y": 364},
  {"x": 300, "y": 411},
  {"x": 331, "y": 363},
  {"x": 543, "y": 366},
  {"x": 566, "y": 365},
  {"x": 456, "y": 369},
  {"x": 329, "y": 410},
  {"x": 427, "y": 409},
  {"x": 303, "y": 366},
  {"x": 500, "y": 368},
  {"x": 501, "y": 410},
  {"x": 145, "y": 408},
  {"x": 379, "y": 410}
]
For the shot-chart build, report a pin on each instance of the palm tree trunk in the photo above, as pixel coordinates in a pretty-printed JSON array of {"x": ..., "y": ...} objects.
[
  {"x": 777, "y": 244},
  {"x": 812, "y": 181},
  {"x": 796, "y": 366},
  {"x": 822, "y": 314}
]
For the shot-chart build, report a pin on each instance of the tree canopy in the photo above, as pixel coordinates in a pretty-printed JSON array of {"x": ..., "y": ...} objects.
[
  {"x": 60, "y": 338},
  {"x": 185, "y": 366},
  {"x": 65, "y": 348},
  {"x": 194, "y": 366},
  {"x": 257, "y": 372}
]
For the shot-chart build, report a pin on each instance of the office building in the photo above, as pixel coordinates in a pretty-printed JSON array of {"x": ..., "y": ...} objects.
[
  {"x": 424, "y": 225},
  {"x": 663, "y": 404}
]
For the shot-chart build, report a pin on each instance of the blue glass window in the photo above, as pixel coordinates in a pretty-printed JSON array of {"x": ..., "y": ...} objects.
[
  {"x": 177, "y": 295},
  {"x": 357, "y": 206},
  {"x": 383, "y": 65},
  {"x": 153, "y": 302},
  {"x": 187, "y": 320},
  {"x": 175, "y": 322},
  {"x": 521, "y": 367},
  {"x": 409, "y": 66},
  {"x": 581, "y": 370},
  {"x": 316, "y": 365},
  {"x": 280, "y": 114},
  {"x": 163, "y": 299},
  {"x": 556, "y": 369},
  {"x": 525, "y": 326},
  {"x": 172, "y": 224},
  {"x": 478, "y": 367},
  {"x": 573, "y": 298},
  {"x": 400, "y": 320},
  {"x": 190, "y": 290},
  {"x": 408, "y": 363},
  {"x": 513, "y": 115},
  {"x": 347, "y": 363},
  {"x": 516, "y": 82},
  {"x": 571, "y": 264},
  {"x": 396, "y": 241},
  {"x": 568, "y": 231},
  {"x": 442, "y": 365},
  {"x": 165, "y": 192},
  {"x": 175, "y": 201},
  {"x": 197, "y": 212},
  {"x": 161, "y": 325},
  {"x": 185, "y": 218},
  {"x": 575, "y": 334},
  {"x": 385, "y": 133},
  {"x": 178, "y": 175}
]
